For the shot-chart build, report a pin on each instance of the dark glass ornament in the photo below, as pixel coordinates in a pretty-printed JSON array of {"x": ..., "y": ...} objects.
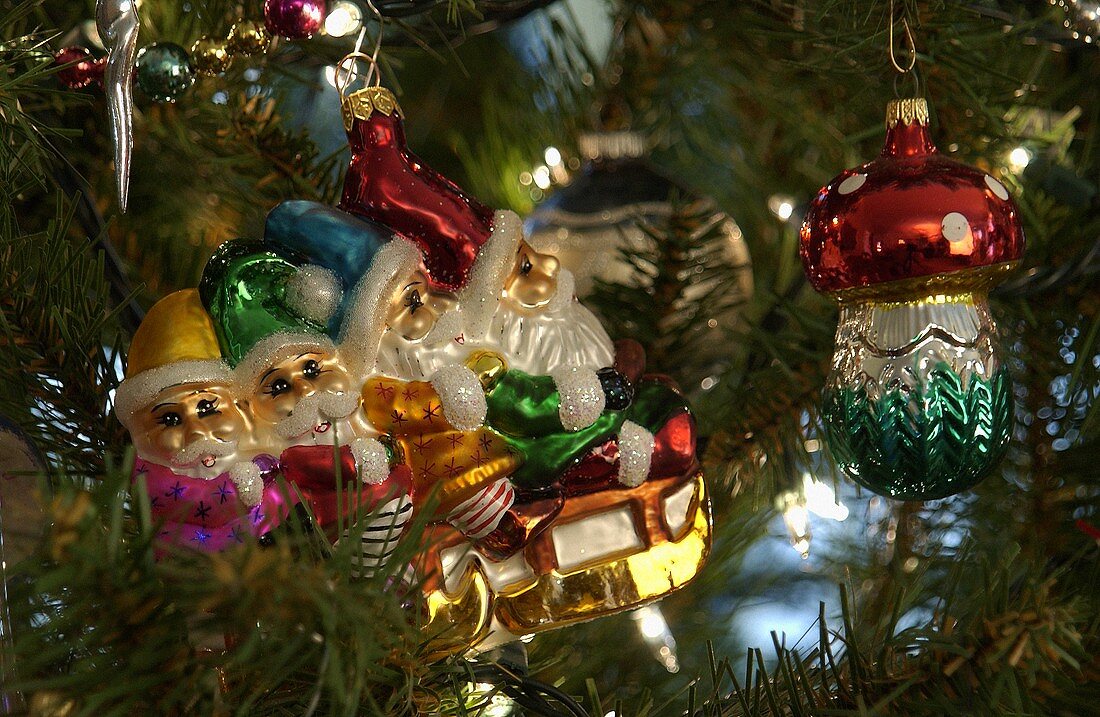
[{"x": 164, "y": 71}]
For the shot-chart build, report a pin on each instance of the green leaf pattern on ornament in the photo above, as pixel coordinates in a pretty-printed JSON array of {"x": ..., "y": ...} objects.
[{"x": 935, "y": 439}]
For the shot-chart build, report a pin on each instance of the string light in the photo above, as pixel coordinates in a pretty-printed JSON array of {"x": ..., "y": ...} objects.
[
  {"x": 657, "y": 636},
  {"x": 782, "y": 206},
  {"x": 821, "y": 500},
  {"x": 552, "y": 156},
  {"x": 797, "y": 520},
  {"x": 815, "y": 497},
  {"x": 541, "y": 176},
  {"x": 345, "y": 19},
  {"x": 1018, "y": 159}
]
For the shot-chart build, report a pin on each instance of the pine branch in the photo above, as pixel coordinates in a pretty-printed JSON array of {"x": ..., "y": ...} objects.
[
  {"x": 61, "y": 344},
  {"x": 1013, "y": 641},
  {"x": 683, "y": 273},
  {"x": 100, "y": 623}
]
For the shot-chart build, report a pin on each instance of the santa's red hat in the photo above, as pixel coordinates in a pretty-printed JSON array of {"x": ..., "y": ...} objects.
[{"x": 389, "y": 184}]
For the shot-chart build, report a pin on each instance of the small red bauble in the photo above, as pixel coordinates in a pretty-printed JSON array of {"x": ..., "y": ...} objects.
[
  {"x": 86, "y": 71},
  {"x": 294, "y": 19},
  {"x": 911, "y": 213}
]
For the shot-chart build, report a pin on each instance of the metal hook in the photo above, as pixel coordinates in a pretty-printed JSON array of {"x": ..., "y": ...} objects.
[
  {"x": 344, "y": 77},
  {"x": 374, "y": 67},
  {"x": 916, "y": 91},
  {"x": 909, "y": 39}
]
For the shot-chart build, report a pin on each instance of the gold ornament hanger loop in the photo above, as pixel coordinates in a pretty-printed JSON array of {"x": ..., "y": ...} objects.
[{"x": 912, "y": 46}]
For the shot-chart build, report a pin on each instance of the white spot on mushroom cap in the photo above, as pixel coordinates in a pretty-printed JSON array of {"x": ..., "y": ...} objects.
[
  {"x": 851, "y": 184},
  {"x": 996, "y": 187},
  {"x": 955, "y": 227}
]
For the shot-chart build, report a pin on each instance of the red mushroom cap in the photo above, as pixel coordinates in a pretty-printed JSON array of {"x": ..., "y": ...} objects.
[{"x": 910, "y": 214}]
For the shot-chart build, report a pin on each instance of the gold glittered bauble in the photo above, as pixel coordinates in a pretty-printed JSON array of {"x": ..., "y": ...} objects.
[
  {"x": 210, "y": 57},
  {"x": 248, "y": 38}
]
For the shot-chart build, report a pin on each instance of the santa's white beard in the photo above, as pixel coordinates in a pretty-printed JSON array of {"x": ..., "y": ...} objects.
[
  {"x": 312, "y": 411},
  {"x": 419, "y": 360},
  {"x": 539, "y": 343},
  {"x": 205, "y": 458},
  {"x": 563, "y": 333}
]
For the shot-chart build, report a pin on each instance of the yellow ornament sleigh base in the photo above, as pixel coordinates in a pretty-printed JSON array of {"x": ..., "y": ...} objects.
[{"x": 607, "y": 552}]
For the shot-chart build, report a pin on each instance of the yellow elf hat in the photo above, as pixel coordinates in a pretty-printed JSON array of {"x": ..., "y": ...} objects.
[{"x": 176, "y": 343}]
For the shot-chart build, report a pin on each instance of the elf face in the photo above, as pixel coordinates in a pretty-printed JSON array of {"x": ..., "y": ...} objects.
[
  {"x": 534, "y": 278},
  {"x": 421, "y": 330},
  {"x": 307, "y": 399},
  {"x": 193, "y": 428},
  {"x": 415, "y": 307},
  {"x": 538, "y": 325}
]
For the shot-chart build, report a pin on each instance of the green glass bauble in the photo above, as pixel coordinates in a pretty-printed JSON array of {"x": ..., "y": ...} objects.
[
  {"x": 164, "y": 71},
  {"x": 924, "y": 443}
]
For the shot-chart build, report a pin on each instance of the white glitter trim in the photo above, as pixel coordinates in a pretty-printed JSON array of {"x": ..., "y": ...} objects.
[
  {"x": 462, "y": 396},
  {"x": 371, "y": 460},
  {"x": 136, "y": 391},
  {"x": 580, "y": 397},
  {"x": 635, "y": 454},
  {"x": 275, "y": 348},
  {"x": 314, "y": 292},
  {"x": 481, "y": 294},
  {"x": 565, "y": 293},
  {"x": 366, "y": 317},
  {"x": 250, "y": 486}
]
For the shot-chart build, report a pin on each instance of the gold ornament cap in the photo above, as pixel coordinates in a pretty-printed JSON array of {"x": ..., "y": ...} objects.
[
  {"x": 176, "y": 329},
  {"x": 907, "y": 111},
  {"x": 361, "y": 104}
]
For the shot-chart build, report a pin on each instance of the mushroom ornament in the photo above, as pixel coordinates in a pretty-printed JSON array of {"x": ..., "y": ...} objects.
[{"x": 918, "y": 404}]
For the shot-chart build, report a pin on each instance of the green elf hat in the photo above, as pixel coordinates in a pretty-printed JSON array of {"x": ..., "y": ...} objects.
[{"x": 264, "y": 307}]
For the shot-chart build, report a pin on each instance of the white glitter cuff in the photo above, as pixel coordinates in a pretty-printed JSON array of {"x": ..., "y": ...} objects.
[
  {"x": 250, "y": 486},
  {"x": 635, "y": 454},
  {"x": 462, "y": 396},
  {"x": 580, "y": 397},
  {"x": 371, "y": 460}
]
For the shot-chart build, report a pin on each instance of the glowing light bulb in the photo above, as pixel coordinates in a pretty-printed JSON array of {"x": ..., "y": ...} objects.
[
  {"x": 657, "y": 635},
  {"x": 344, "y": 19},
  {"x": 797, "y": 520},
  {"x": 782, "y": 206},
  {"x": 821, "y": 500},
  {"x": 541, "y": 175},
  {"x": 552, "y": 156},
  {"x": 1018, "y": 159}
]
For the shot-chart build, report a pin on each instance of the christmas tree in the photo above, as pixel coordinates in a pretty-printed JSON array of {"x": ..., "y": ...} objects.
[{"x": 667, "y": 154}]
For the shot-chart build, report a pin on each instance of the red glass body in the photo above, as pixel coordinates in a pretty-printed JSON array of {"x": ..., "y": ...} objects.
[
  {"x": 673, "y": 455},
  {"x": 389, "y": 184},
  {"x": 891, "y": 227},
  {"x": 312, "y": 472},
  {"x": 294, "y": 19}
]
